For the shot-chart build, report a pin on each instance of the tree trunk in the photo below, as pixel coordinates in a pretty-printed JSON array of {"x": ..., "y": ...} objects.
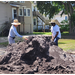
[
  {"x": 70, "y": 11},
  {"x": 70, "y": 21},
  {"x": 66, "y": 7}
]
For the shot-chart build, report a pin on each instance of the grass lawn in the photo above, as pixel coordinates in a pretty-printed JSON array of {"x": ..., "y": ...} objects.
[
  {"x": 67, "y": 44},
  {"x": 4, "y": 44},
  {"x": 49, "y": 33},
  {"x": 42, "y": 33}
]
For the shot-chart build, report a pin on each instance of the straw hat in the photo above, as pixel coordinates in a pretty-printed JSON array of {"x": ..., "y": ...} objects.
[
  {"x": 55, "y": 21},
  {"x": 15, "y": 22}
]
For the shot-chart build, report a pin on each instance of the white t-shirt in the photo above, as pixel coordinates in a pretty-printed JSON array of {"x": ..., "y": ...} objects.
[
  {"x": 13, "y": 32},
  {"x": 55, "y": 29}
]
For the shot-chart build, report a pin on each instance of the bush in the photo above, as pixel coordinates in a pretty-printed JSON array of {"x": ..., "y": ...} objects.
[{"x": 64, "y": 27}]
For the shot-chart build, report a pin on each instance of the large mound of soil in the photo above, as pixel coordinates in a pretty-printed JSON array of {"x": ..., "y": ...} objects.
[{"x": 36, "y": 56}]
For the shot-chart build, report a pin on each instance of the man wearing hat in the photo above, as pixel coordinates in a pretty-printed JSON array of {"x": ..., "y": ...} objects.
[
  {"x": 13, "y": 32},
  {"x": 56, "y": 34}
]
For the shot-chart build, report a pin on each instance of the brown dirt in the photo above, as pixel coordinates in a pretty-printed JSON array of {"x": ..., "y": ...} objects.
[{"x": 36, "y": 56}]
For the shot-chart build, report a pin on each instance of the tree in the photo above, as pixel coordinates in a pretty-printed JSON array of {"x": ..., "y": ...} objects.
[{"x": 53, "y": 7}]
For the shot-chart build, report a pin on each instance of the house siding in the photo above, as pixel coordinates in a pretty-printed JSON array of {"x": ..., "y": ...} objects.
[
  {"x": 28, "y": 20},
  {"x": 59, "y": 17},
  {"x": 5, "y": 13}
]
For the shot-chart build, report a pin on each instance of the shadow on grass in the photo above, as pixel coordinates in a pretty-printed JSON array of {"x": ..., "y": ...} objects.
[{"x": 61, "y": 43}]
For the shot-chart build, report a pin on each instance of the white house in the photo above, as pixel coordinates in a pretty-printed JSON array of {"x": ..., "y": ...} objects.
[
  {"x": 39, "y": 21},
  {"x": 60, "y": 18}
]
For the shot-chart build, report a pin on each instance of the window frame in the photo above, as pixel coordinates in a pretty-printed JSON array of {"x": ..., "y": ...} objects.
[
  {"x": 19, "y": 11},
  {"x": 27, "y": 12},
  {"x": 66, "y": 18},
  {"x": 35, "y": 21}
]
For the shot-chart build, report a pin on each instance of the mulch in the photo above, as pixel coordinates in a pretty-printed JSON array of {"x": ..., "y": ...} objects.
[{"x": 37, "y": 55}]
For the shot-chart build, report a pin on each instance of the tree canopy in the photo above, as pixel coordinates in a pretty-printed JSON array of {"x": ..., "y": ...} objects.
[
  {"x": 47, "y": 8},
  {"x": 51, "y": 8}
]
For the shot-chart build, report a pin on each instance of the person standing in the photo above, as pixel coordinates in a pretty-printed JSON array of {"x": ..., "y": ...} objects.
[
  {"x": 13, "y": 32},
  {"x": 56, "y": 34}
]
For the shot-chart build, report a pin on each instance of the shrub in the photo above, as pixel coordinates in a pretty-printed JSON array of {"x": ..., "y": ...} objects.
[{"x": 64, "y": 26}]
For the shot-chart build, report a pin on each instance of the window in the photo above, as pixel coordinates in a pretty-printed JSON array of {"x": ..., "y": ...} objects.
[
  {"x": 34, "y": 21},
  {"x": 21, "y": 12},
  {"x": 66, "y": 18},
  {"x": 24, "y": 12},
  {"x": 28, "y": 11},
  {"x": 14, "y": 13}
]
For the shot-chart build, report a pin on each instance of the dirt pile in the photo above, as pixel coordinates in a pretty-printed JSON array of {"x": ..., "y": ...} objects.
[{"x": 36, "y": 56}]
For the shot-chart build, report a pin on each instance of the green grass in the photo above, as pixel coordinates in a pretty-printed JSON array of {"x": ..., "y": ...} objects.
[
  {"x": 49, "y": 33},
  {"x": 65, "y": 33},
  {"x": 42, "y": 33},
  {"x": 67, "y": 44},
  {"x": 4, "y": 44}
]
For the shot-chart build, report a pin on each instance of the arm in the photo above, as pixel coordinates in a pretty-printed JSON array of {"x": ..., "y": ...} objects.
[
  {"x": 55, "y": 36},
  {"x": 16, "y": 33},
  {"x": 57, "y": 32}
]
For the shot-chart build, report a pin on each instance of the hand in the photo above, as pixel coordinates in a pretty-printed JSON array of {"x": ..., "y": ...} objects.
[
  {"x": 24, "y": 38},
  {"x": 52, "y": 40}
]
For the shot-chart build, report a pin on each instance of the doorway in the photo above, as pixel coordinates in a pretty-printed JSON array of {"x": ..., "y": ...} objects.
[
  {"x": 14, "y": 16},
  {"x": 14, "y": 13}
]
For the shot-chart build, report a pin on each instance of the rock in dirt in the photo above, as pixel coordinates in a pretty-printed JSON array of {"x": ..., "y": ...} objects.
[{"x": 36, "y": 56}]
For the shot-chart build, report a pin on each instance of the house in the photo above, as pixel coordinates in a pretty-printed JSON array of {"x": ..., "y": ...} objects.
[
  {"x": 60, "y": 18},
  {"x": 40, "y": 22},
  {"x": 22, "y": 10}
]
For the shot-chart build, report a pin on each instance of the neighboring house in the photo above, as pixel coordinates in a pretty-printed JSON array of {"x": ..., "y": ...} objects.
[
  {"x": 39, "y": 20},
  {"x": 60, "y": 18},
  {"x": 22, "y": 10}
]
